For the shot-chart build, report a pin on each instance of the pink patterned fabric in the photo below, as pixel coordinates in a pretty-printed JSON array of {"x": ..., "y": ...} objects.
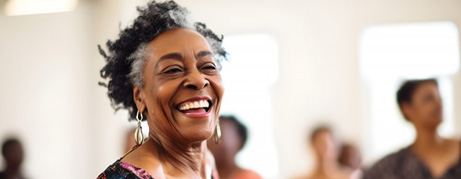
[
  {"x": 139, "y": 172},
  {"x": 123, "y": 170}
]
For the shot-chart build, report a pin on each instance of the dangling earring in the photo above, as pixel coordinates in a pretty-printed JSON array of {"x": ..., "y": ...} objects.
[
  {"x": 138, "y": 134},
  {"x": 217, "y": 132}
]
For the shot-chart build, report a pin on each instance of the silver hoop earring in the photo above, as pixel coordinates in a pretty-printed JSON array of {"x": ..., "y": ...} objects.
[
  {"x": 138, "y": 134},
  {"x": 217, "y": 132}
]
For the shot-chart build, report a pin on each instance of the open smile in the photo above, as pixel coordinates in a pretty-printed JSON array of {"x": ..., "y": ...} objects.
[{"x": 196, "y": 107}]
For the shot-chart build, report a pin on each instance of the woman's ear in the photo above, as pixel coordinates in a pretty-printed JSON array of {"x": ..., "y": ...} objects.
[
  {"x": 138, "y": 96},
  {"x": 407, "y": 111}
]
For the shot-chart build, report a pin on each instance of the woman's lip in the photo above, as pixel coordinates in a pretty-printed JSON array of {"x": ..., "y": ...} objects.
[
  {"x": 197, "y": 113},
  {"x": 198, "y": 98}
]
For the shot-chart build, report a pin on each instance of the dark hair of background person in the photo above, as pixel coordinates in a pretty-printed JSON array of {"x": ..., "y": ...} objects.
[
  {"x": 241, "y": 129},
  {"x": 152, "y": 21},
  {"x": 7, "y": 144},
  {"x": 349, "y": 156},
  {"x": 408, "y": 88}
]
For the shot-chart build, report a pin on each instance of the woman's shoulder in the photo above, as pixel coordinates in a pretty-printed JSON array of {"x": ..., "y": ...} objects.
[
  {"x": 300, "y": 177},
  {"x": 390, "y": 165},
  {"x": 121, "y": 170},
  {"x": 247, "y": 174}
]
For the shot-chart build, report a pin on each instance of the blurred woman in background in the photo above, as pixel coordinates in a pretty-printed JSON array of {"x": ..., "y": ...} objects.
[
  {"x": 429, "y": 156},
  {"x": 234, "y": 137},
  {"x": 325, "y": 150},
  {"x": 165, "y": 70}
]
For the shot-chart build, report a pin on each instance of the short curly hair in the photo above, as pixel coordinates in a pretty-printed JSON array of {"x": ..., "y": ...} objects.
[
  {"x": 126, "y": 55},
  {"x": 407, "y": 89}
]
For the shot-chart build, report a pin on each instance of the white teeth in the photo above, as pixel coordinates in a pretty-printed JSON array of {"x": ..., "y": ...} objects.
[
  {"x": 188, "y": 106},
  {"x": 194, "y": 105}
]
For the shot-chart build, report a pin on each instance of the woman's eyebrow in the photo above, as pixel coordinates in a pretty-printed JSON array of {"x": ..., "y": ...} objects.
[
  {"x": 203, "y": 54},
  {"x": 170, "y": 56},
  {"x": 173, "y": 55},
  {"x": 179, "y": 57}
]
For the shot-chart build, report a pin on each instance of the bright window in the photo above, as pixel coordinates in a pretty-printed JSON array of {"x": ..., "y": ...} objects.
[
  {"x": 249, "y": 77},
  {"x": 30, "y": 7}
]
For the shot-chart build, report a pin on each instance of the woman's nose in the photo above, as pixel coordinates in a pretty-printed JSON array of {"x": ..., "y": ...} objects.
[{"x": 196, "y": 81}]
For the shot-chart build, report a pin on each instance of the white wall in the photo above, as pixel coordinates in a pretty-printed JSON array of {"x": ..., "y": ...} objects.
[
  {"x": 44, "y": 72},
  {"x": 49, "y": 70}
]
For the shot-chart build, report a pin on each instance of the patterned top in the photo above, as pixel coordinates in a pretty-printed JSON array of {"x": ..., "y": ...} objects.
[
  {"x": 122, "y": 170},
  {"x": 404, "y": 164}
]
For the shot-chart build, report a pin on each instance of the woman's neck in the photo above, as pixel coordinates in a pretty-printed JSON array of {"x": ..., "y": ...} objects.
[
  {"x": 191, "y": 164},
  {"x": 324, "y": 166},
  {"x": 198, "y": 156},
  {"x": 159, "y": 164},
  {"x": 177, "y": 152},
  {"x": 427, "y": 140}
]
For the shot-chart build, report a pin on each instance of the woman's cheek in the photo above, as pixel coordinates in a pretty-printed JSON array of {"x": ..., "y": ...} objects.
[
  {"x": 166, "y": 92},
  {"x": 218, "y": 85}
]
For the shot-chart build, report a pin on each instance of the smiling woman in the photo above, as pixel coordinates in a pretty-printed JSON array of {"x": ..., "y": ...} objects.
[{"x": 165, "y": 70}]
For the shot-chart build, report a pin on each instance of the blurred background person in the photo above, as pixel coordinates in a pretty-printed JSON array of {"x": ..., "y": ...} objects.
[
  {"x": 13, "y": 156},
  {"x": 234, "y": 137},
  {"x": 430, "y": 155},
  {"x": 350, "y": 158},
  {"x": 325, "y": 149}
]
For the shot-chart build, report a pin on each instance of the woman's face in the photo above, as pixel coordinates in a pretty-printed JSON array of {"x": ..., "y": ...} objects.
[
  {"x": 425, "y": 109},
  {"x": 182, "y": 86},
  {"x": 325, "y": 145}
]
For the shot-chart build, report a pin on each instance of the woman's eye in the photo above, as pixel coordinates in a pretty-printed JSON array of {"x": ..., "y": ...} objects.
[
  {"x": 209, "y": 67},
  {"x": 173, "y": 70}
]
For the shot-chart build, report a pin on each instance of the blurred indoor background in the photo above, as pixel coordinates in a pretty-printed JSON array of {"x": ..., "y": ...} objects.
[{"x": 294, "y": 64}]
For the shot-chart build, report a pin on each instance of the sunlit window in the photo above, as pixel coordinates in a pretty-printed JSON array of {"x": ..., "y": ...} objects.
[
  {"x": 248, "y": 78},
  {"x": 390, "y": 54},
  {"x": 28, "y": 7}
]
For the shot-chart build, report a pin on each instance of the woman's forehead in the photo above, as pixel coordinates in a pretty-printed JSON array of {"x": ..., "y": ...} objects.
[
  {"x": 178, "y": 39},
  {"x": 426, "y": 88}
]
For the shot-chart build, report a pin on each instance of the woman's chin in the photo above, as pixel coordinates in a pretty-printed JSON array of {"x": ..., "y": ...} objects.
[
  {"x": 197, "y": 135},
  {"x": 195, "y": 129}
]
